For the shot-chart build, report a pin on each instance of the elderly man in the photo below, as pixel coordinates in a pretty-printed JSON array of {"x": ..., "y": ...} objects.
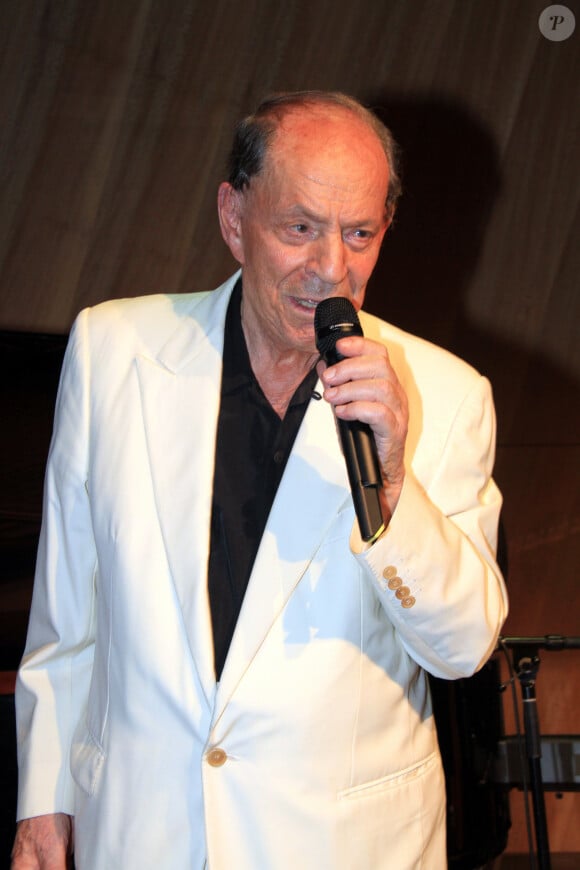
[{"x": 220, "y": 672}]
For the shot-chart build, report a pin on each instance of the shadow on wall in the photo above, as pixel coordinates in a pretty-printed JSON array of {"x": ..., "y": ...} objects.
[{"x": 451, "y": 181}]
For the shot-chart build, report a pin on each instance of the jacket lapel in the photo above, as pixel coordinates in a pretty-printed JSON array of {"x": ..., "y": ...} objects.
[
  {"x": 313, "y": 489},
  {"x": 180, "y": 392}
]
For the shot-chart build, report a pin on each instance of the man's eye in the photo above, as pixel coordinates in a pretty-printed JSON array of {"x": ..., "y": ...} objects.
[
  {"x": 362, "y": 234},
  {"x": 300, "y": 228}
]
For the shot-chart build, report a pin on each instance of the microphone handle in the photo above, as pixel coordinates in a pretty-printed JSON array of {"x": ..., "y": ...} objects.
[
  {"x": 364, "y": 474},
  {"x": 362, "y": 465}
]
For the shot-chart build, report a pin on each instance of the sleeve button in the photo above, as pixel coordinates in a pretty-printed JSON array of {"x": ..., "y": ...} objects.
[
  {"x": 402, "y": 592},
  {"x": 408, "y": 602},
  {"x": 389, "y": 572}
]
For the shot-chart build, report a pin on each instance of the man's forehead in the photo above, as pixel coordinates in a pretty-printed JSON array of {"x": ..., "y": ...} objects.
[
  {"x": 320, "y": 121},
  {"x": 333, "y": 145},
  {"x": 325, "y": 134}
]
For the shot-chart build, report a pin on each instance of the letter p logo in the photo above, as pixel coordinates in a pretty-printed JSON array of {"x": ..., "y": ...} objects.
[{"x": 557, "y": 23}]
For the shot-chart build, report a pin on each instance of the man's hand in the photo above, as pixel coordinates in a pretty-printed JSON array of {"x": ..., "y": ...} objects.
[
  {"x": 364, "y": 387},
  {"x": 44, "y": 843}
]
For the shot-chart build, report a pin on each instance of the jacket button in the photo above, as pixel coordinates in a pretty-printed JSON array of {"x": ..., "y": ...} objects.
[
  {"x": 216, "y": 757},
  {"x": 389, "y": 572},
  {"x": 402, "y": 592},
  {"x": 394, "y": 583},
  {"x": 408, "y": 602}
]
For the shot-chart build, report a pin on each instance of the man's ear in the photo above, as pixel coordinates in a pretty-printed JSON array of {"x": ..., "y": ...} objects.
[{"x": 229, "y": 213}]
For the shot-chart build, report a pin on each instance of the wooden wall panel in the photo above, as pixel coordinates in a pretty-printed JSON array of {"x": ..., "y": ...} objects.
[{"x": 115, "y": 123}]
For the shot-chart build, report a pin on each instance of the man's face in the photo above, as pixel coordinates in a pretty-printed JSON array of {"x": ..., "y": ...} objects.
[{"x": 309, "y": 226}]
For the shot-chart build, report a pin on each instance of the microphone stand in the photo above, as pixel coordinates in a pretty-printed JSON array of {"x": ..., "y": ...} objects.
[{"x": 526, "y": 665}]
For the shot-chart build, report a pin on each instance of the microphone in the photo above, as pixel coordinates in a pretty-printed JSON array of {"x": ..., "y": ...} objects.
[{"x": 336, "y": 318}]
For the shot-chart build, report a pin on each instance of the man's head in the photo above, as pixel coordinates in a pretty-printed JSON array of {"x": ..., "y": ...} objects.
[{"x": 310, "y": 197}]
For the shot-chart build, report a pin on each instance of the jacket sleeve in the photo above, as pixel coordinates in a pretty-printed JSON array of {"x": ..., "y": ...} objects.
[
  {"x": 53, "y": 681},
  {"x": 434, "y": 567}
]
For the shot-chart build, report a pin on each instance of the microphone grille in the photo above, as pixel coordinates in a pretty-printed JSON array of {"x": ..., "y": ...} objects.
[
  {"x": 334, "y": 318},
  {"x": 334, "y": 310}
]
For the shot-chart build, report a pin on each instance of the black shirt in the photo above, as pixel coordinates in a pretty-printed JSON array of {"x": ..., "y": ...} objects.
[{"x": 252, "y": 447}]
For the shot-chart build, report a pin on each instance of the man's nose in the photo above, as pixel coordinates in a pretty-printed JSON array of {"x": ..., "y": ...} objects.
[{"x": 329, "y": 259}]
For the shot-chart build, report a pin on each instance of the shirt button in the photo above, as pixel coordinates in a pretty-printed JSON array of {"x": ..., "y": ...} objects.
[
  {"x": 278, "y": 456},
  {"x": 395, "y": 582},
  {"x": 216, "y": 757},
  {"x": 408, "y": 602},
  {"x": 402, "y": 592},
  {"x": 389, "y": 572}
]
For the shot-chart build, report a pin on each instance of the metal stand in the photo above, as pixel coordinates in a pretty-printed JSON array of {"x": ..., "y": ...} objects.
[
  {"x": 526, "y": 668},
  {"x": 526, "y": 665}
]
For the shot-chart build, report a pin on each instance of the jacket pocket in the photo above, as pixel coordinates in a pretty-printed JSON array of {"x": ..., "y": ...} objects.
[
  {"x": 393, "y": 780},
  {"x": 397, "y": 821}
]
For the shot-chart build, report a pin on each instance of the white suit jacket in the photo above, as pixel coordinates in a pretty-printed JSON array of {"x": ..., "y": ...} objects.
[{"x": 317, "y": 749}]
